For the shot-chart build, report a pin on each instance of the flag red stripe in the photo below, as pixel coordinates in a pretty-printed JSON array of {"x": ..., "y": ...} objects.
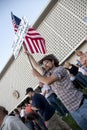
[
  {"x": 32, "y": 51},
  {"x": 33, "y": 42}
]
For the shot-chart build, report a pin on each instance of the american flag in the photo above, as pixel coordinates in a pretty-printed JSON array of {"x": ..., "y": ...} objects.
[{"x": 34, "y": 42}]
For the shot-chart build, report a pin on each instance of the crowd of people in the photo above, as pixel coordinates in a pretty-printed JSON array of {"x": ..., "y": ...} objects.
[
  {"x": 57, "y": 77},
  {"x": 59, "y": 96},
  {"x": 78, "y": 72},
  {"x": 35, "y": 113}
]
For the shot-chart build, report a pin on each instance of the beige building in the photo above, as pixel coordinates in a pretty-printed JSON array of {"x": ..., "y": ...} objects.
[{"x": 64, "y": 28}]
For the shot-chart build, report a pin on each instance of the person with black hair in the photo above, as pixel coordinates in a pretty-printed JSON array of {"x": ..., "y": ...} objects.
[{"x": 40, "y": 104}]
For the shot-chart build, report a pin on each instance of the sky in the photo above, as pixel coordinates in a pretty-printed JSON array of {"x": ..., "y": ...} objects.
[{"x": 29, "y": 8}]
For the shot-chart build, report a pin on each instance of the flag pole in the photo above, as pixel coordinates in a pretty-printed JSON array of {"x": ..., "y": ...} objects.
[
  {"x": 30, "y": 61},
  {"x": 28, "y": 57}
]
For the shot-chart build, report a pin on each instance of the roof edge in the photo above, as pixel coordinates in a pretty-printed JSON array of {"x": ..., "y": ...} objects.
[
  {"x": 6, "y": 66},
  {"x": 44, "y": 13}
]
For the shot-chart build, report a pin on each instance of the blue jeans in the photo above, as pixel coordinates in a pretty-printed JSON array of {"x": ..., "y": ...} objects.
[
  {"x": 80, "y": 115},
  {"x": 41, "y": 123},
  {"x": 57, "y": 104},
  {"x": 81, "y": 78}
]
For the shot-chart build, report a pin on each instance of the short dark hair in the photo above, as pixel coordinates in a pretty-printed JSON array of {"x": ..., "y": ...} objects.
[
  {"x": 2, "y": 109},
  {"x": 32, "y": 115},
  {"x": 50, "y": 57},
  {"x": 16, "y": 111},
  {"x": 29, "y": 90}
]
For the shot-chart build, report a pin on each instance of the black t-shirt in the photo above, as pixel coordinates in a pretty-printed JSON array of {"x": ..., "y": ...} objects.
[
  {"x": 73, "y": 70},
  {"x": 44, "y": 107}
]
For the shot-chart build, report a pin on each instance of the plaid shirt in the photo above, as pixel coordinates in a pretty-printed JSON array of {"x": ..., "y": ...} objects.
[{"x": 65, "y": 90}]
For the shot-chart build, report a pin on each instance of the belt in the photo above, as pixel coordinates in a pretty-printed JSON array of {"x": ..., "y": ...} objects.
[{"x": 82, "y": 101}]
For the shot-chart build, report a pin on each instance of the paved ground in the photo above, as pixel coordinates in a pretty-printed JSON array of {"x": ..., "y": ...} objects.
[{"x": 56, "y": 123}]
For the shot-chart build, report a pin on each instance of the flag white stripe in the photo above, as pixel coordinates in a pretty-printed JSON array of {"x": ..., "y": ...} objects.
[
  {"x": 33, "y": 32},
  {"x": 31, "y": 43},
  {"x": 27, "y": 46},
  {"x": 36, "y": 46},
  {"x": 39, "y": 43},
  {"x": 43, "y": 45},
  {"x": 33, "y": 36}
]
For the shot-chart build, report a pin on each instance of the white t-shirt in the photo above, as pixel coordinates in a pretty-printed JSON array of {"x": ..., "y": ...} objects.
[
  {"x": 82, "y": 70},
  {"x": 46, "y": 88},
  {"x": 22, "y": 113}
]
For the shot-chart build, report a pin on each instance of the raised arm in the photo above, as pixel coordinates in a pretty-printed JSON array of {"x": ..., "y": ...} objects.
[
  {"x": 44, "y": 79},
  {"x": 34, "y": 62}
]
